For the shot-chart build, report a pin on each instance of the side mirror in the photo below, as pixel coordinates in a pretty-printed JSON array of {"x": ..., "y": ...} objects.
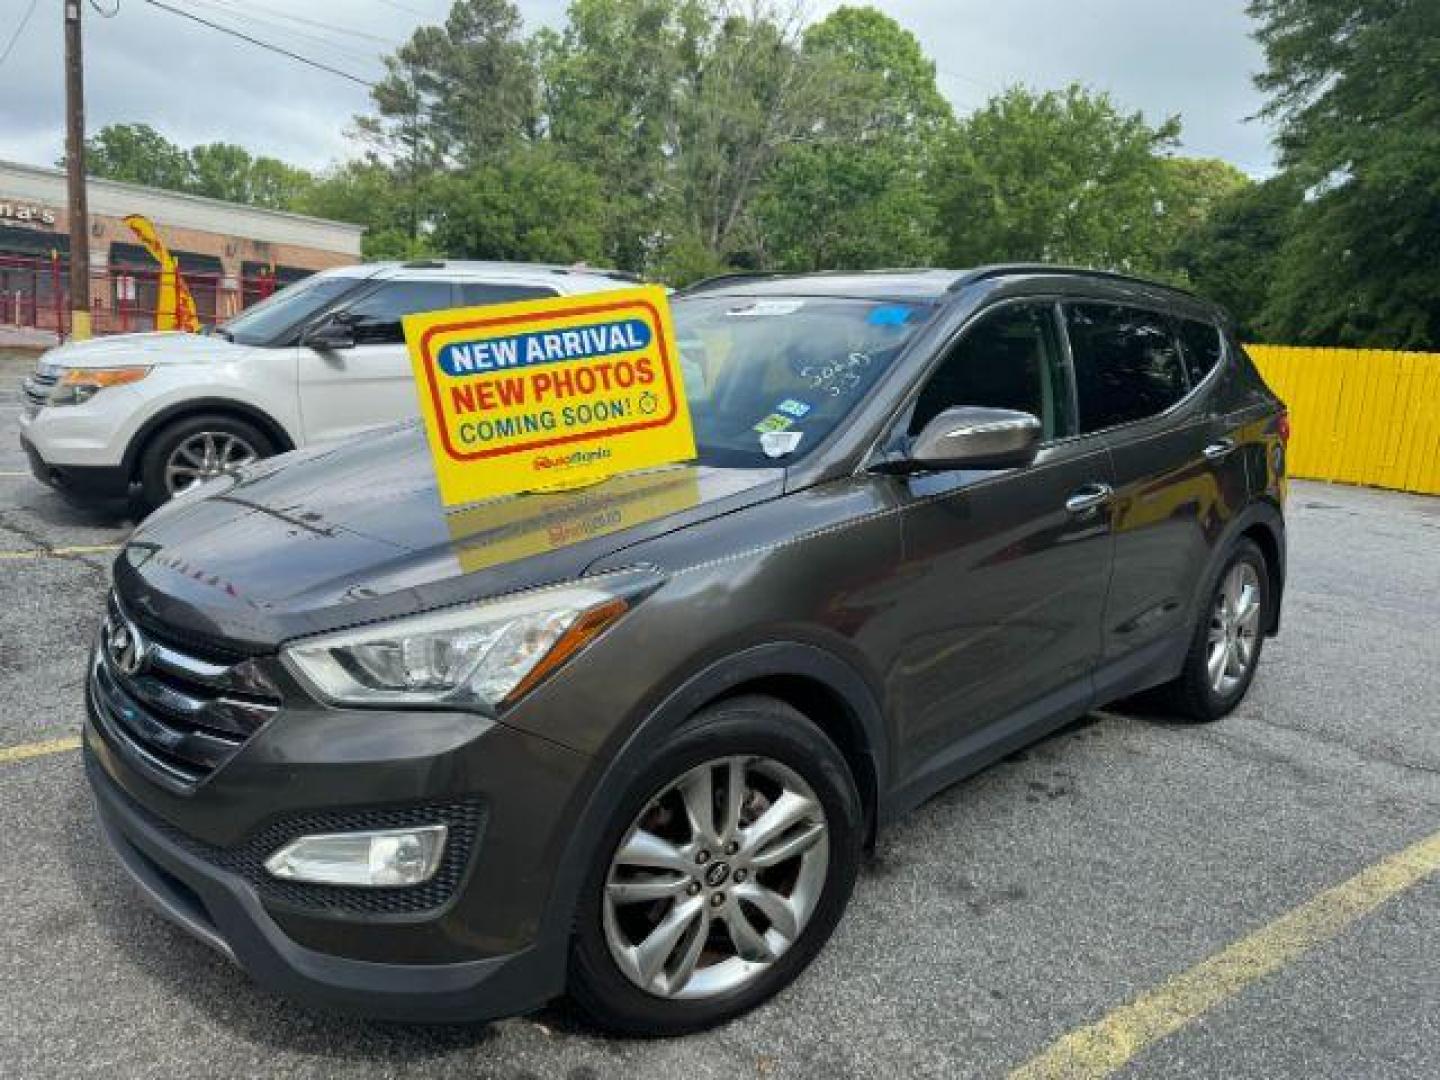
[
  {"x": 976, "y": 438},
  {"x": 329, "y": 334}
]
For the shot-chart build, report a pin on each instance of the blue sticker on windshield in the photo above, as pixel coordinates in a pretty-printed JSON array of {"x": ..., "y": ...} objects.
[
  {"x": 791, "y": 407},
  {"x": 890, "y": 315}
]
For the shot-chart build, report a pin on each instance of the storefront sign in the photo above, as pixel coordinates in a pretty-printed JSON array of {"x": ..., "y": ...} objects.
[
  {"x": 547, "y": 394},
  {"x": 26, "y": 214}
]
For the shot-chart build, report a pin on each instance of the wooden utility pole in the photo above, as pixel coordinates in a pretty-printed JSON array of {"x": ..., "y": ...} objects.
[{"x": 75, "y": 175}]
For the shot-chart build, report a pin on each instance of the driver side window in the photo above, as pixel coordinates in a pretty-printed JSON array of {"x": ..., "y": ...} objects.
[
  {"x": 376, "y": 316},
  {"x": 1010, "y": 359}
]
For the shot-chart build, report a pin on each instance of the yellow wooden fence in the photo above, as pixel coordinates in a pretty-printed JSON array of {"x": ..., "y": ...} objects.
[{"x": 1359, "y": 416}]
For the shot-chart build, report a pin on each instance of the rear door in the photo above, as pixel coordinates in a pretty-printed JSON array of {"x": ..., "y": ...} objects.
[
  {"x": 1232, "y": 434},
  {"x": 1004, "y": 572},
  {"x": 1173, "y": 488}
]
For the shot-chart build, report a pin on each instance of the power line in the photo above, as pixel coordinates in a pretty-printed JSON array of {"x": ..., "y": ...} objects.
[
  {"x": 19, "y": 29},
  {"x": 262, "y": 44},
  {"x": 250, "y": 9},
  {"x": 296, "y": 36},
  {"x": 346, "y": 30},
  {"x": 405, "y": 8}
]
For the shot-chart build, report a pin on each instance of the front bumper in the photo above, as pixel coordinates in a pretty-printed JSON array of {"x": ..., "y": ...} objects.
[
  {"x": 471, "y": 948},
  {"x": 224, "y": 912},
  {"x": 93, "y": 481}
]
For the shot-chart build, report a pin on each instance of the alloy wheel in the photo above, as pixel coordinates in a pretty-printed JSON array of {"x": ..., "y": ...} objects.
[
  {"x": 1234, "y": 628},
  {"x": 716, "y": 878},
  {"x": 203, "y": 456}
]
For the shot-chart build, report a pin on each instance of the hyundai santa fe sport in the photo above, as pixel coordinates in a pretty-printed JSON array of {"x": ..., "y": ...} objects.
[{"x": 627, "y": 742}]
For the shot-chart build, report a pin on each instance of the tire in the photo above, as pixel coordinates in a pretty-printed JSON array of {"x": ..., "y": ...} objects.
[
  {"x": 225, "y": 431},
  {"x": 779, "y": 751},
  {"x": 1195, "y": 695}
]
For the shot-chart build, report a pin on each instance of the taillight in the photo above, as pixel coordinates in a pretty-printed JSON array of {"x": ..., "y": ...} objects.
[{"x": 1282, "y": 426}]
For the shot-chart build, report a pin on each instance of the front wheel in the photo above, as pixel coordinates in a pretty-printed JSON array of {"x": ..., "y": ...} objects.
[
  {"x": 195, "y": 449},
  {"x": 1225, "y": 651},
  {"x": 728, "y": 864}
]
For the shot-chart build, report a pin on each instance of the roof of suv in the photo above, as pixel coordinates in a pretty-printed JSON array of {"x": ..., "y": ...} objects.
[
  {"x": 917, "y": 284},
  {"x": 463, "y": 269}
]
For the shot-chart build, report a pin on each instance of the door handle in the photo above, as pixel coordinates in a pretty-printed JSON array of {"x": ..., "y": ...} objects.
[
  {"x": 1217, "y": 450},
  {"x": 1087, "y": 498}
]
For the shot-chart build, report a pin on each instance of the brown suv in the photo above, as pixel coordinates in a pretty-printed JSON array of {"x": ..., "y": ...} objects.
[{"x": 628, "y": 741}]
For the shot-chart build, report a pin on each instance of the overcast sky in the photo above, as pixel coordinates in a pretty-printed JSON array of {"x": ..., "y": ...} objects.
[{"x": 1192, "y": 57}]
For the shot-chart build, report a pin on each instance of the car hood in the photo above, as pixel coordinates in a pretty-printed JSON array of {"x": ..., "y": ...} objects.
[
  {"x": 354, "y": 532},
  {"x": 165, "y": 347}
]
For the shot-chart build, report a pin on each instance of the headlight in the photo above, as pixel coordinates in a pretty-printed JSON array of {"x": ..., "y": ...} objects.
[
  {"x": 79, "y": 385},
  {"x": 482, "y": 654}
]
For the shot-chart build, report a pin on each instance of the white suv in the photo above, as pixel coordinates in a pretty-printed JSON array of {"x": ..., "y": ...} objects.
[{"x": 321, "y": 359}]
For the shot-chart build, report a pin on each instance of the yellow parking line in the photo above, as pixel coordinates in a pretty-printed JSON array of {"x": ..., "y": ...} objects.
[
  {"x": 1101, "y": 1048},
  {"x": 60, "y": 552},
  {"x": 11, "y": 754}
]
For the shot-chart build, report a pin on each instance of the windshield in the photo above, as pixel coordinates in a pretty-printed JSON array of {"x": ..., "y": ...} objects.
[
  {"x": 768, "y": 378},
  {"x": 292, "y": 305}
]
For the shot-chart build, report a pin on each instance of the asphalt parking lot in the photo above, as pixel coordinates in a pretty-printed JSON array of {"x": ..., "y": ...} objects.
[{"x": 1089, "y": 880}]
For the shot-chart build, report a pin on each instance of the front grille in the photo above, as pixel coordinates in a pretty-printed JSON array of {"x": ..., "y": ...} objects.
[
  {"x": 180, "y": 716},
  {"x": 37, "y": 387}
]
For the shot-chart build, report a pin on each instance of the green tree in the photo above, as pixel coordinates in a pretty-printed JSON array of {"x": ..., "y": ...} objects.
[
  {"x": 861, "y": 198},
  {"x": 137, "y": 154},
  {"x": 273, "y": 183},
  {"x": 1231, "y": 255},
  {"x": 836, "y": 206},
  {"x": 367, "y": 192},
  {"x": 614, "y": 82},
  {"x": 226, "y": 171},
  {"x": 220, "y": 171},
  {"x": 530, "y": 205},
  {"x": 1057, "y": 177},
  {"x": 1192, "y": 190},
  {"x": 1354, "y": 86},
  {"x": 457, "y": 93},
  {"x": 889, "y": 76},
  {"x": 757, "y": 95}
]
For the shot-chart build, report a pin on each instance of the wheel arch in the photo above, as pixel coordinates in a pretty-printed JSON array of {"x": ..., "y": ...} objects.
[
  {"x": 1263, "y": 534},
  {"x": 811, "y": 679},
  {"x": 835, "y": 715},
  {"x": 1263, "y": 523},
  {"x": 225, "y": 406}
]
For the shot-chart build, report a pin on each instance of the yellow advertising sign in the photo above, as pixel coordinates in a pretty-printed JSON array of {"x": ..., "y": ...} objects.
[{"x": 547, "y": 394}]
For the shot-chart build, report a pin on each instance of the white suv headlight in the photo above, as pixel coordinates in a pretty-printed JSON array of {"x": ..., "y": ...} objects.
[
  {"x": 481, "y": 654},
  {"x": 78, "y": 385}
]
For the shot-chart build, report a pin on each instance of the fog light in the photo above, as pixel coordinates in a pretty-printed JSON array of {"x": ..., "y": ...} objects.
[{"x": 388, "y": 857}]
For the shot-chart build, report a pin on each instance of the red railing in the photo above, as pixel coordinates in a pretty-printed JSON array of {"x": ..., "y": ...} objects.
[{"x": 35, "y": 293}]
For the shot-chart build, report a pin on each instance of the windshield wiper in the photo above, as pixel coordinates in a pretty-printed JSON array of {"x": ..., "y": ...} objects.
[{"x": 220, "y": 331}]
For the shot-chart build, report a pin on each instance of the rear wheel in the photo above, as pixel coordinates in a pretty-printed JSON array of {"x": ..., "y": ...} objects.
[
  {"x": 1225, "y": 651},
  {"x": 726, "y": 867},
  {"x": 195, "y": 449}
]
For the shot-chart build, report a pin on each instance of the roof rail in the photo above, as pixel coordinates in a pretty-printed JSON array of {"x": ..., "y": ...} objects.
[
  {"x": 423, "y": 264},
  {"x": 983, "y": 273}
]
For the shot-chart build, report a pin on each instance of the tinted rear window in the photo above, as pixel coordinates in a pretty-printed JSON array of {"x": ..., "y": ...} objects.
[
  {"x": 480, "y": 293},
  {"x": 1201, "y": 342},
  {"x": 1127, "y": 364}
]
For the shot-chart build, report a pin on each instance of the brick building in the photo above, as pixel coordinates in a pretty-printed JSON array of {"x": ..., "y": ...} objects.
[{"x": 229, "y": 255}]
